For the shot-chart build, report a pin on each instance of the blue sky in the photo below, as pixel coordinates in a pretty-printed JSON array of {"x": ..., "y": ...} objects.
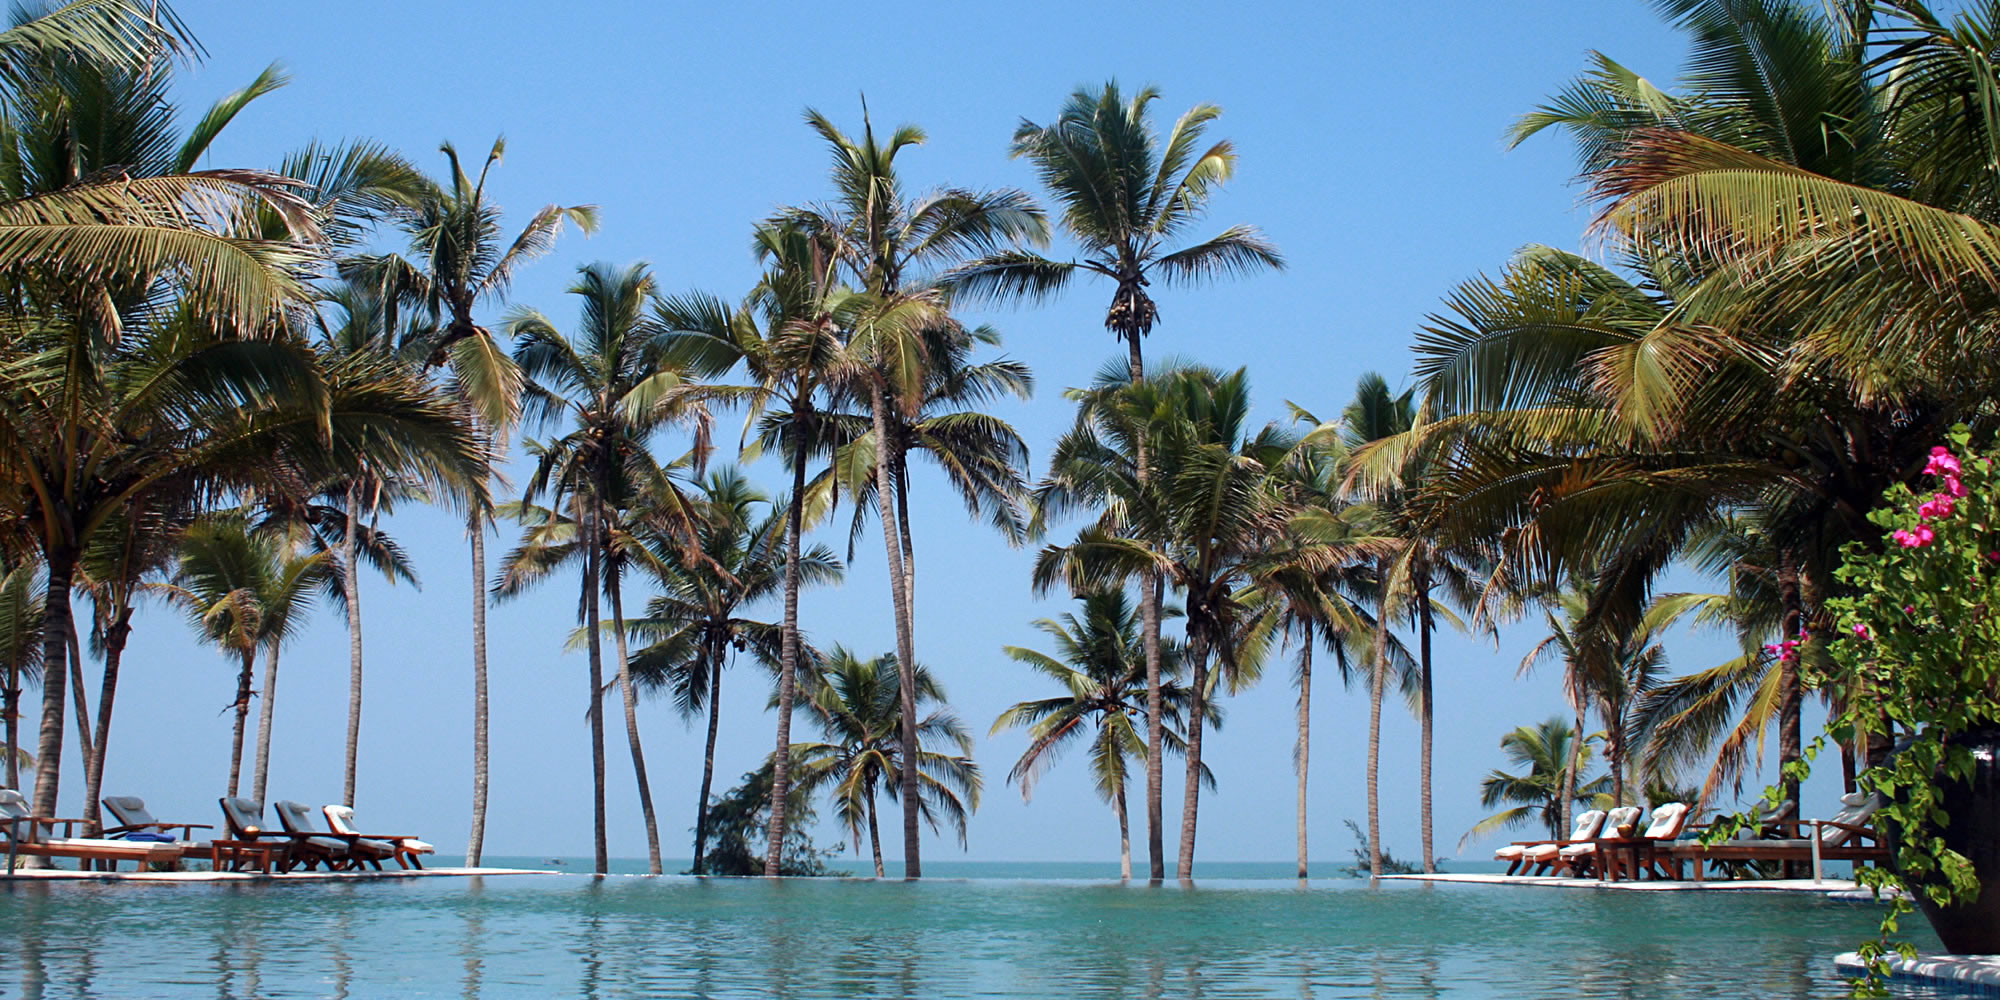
[{"x": 1372, "y": 150}]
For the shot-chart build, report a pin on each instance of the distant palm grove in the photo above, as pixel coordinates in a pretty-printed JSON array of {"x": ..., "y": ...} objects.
[{"x": 218, "y": 381}]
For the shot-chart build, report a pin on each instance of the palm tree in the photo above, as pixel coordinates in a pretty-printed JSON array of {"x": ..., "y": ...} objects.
[
  {"x": 1604, "y": 667},
  {"x": 612, "y": 385},
  {"x": 20, "y": 657},
  {"x": 887, "y": 245},
  {"x": 1127, "y": 198},
  {"x": 787, "y": 337},
  {"x": 242, "y": 592},
  {"x": 696, "y": 626},
  {"x": 1216, "y": 506},
  {"x": 1555, "y": 757},
  {"x": 1426, "y": 560},
  {"x": 858, "y": 707},
  {"x": 460, "y": 264},
  {"x": 1101, "y": 663}
]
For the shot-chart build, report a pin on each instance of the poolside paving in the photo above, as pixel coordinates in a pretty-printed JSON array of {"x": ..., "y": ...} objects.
[
  {"x": 1958, "y": 975},
  {"x": 71, "y": 875},
  {"x": 1822, "y": 887}
]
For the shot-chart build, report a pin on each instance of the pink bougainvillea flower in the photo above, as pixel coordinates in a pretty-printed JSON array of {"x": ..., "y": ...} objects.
[
  {"x": 1954, "y": 486},
  {"x": 1862, "y": 630},
  {"x": 1915, "y": 539},
  {"x": 1995, "y": 556},
  {"x": 1943, "y": 463},
  {"x": 1936, "y": 507},
  {"x": 1909, "y": 609}
]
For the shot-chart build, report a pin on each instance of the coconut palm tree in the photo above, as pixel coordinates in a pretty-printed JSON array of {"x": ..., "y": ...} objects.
[
  {"x": 1101, "y": 664},
  {"x": 857, "y": 705},
  {"x": 20, "y": 657},
  {"x": 612, "y": 386},
  {"x": 787, "y": 337},
  {"x": 1217, "y": 506},
  {"x": 1555, "y": 758},
  {"x": 244, "y": 591},
  {"x": 893, "y": 249},
  {"x": 1127, "y": 230},
  {"x": 694, "y": 629},
  {"x": 1427, "y": 564},
  {"x": 1604, "y": 667},
  {"x": 462, "y": 260}
]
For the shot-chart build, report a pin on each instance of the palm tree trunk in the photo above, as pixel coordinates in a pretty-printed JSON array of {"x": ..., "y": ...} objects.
[
  {"x": 10, "y": 716},
  {"x": 714, "y": 668},
  {"x": 788, "y": 646},
  {"x": 84, "y": 744},
  {"x": 1191, "y": 796},
  {"x": 909, "y": 546},
  {"x": 875, "y": 838},
  {"x": 55, "y": 625},
  {"x": 1124, "y": 834},
  {"x": 1302, "y": 754},
  {"x": 1378, "y": 666},
  {"x": 350, "y": 586},
  {"x": 475, "y": 844},
  {"x": 631, "y": 697},
  {"x": 243, "y": 678},
  {"x": 265, "y": 716},
  {"x": 1614, "y": 758},
  {"x": 1151, "y": 596},
  {"x": 1425, "y": 625},
  {"x": 107, "y": 693},
  {"x": 601, "y": 854},
  {"x": 1575, "y": 773},
  {"x": 906, "y": 654}
]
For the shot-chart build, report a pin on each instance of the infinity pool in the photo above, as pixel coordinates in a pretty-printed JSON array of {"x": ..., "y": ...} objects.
[{"x": 574, "y": 936}]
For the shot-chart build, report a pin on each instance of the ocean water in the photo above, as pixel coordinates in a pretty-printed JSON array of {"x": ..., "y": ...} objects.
[{"x": 962, "y": 934}]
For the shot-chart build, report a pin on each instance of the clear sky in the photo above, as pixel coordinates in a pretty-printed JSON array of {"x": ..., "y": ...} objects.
[{"x": 1372, "y": 152}]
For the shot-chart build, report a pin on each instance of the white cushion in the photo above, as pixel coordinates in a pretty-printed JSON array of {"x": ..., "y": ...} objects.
[
  {"x": 1541, "y": 852},
  {"x": 97, "y": 843},
  {"x": 1667, "y": 821},
  {"x": 418, "y": 847},
  {"x": 1854, "y": 798},
  {"x": 1508, "y": 853}
]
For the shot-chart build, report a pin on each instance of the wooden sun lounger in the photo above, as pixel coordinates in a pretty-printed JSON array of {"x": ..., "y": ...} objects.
[
  {"x": 1861, "y": 844},
  {"x": 92, "y": 850}
]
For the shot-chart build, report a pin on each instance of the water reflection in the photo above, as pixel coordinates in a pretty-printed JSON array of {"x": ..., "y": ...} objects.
[
  {"x": 817, "y": 940},
  {"x": 472, "y": 946}
]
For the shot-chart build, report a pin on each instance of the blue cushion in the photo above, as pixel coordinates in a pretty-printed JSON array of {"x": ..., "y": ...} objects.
[{"x": 149, "y": 838}]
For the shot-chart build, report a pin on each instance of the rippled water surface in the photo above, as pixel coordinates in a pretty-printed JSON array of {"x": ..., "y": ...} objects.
[{"x": 529, "y": 936}]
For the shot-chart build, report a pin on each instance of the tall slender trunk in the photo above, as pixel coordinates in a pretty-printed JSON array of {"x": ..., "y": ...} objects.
[
  {"x": 1425, "y": 625},
  {"x": 1151, "y": 595},
  {"x": 1790, "y": 695},
  {"x": 1124, "y": 834},
  {"x": 476, "y": 843},
  {"x": 713, "y": 664},
  {"x": 350, "y": 587},
  {"x": 906, "y": 654},
  {"x": 601, "y": 854},
  {"x": 875, "y": 837},
  {"x": 909, "y": 546},
  {"x": 1197, "y": 722},
  {"x": 56, "y": 622},
  {"x": 10, "y": 716},
  {"x": 107, "y": 694},
  {"x": 265, "y": 716},
  {"x": 243, "y": 678},
  {"x": 788, "y": 646},
  {"x": 1302, "y": 753},
  {"x": 1565, "y": 813},
  {"x": 631, "y": 696},
  {"x": 81, "y": 704},
  {"x": 1614, "y": 759},
  {"x": 1378, "y": 667}
]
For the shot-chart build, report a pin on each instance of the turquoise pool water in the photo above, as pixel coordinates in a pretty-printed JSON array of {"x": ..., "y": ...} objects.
[{"x": 575, "y": 936}]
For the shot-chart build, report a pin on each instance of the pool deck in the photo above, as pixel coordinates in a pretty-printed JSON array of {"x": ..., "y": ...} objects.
[
  {"x": 1823, "y": 887},
  {"x": 71, "y": 875},
  {"x": 1958, "y": 975}
]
